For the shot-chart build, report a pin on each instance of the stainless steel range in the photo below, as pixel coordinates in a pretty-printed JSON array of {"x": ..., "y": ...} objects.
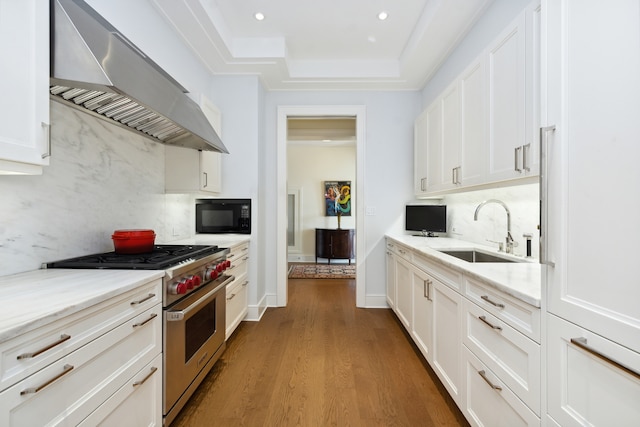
[{"x": 194, "y": 298}]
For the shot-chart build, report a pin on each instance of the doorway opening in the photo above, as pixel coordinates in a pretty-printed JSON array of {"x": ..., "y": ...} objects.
[{"x": 290, "y": 198}]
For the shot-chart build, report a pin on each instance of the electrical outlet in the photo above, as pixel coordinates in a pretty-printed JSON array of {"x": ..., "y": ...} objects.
[{"x": 370, "y": 211}]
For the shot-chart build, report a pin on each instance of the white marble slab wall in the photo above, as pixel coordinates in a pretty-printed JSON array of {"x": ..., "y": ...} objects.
[
  {"x": 101, "y": 178},
  {"x": 522, "y": 201}
]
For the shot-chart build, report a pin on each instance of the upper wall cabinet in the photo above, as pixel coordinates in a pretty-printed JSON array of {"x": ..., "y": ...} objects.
[
  {"x": 24, "y": 105},
  {"x": 192, "y": 171},
  {"x": 483, "y": 128}
]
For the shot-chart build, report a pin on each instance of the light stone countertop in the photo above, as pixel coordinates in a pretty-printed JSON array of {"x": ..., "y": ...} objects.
[
  {"x": 521, "y": 280},
  {"x": 36, "y": 298}
]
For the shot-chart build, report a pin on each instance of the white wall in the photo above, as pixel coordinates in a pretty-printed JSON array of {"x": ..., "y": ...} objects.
[
  {"x": 308, "y": 166},
  {"x": 388, "y": 170}
]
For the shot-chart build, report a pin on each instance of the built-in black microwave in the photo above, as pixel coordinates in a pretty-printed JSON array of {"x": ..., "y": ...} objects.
[{"x": 223, "y": 216}]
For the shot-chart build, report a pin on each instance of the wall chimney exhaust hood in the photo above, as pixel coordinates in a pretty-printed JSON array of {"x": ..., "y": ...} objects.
[{"x": 96, "y": 69}]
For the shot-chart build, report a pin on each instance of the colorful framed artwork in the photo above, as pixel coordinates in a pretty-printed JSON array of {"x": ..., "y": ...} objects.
[{"x": 337, "y": 198}]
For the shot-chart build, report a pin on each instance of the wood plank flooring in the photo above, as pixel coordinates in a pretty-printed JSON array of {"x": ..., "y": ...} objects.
[{"x": 319, "y": 362}]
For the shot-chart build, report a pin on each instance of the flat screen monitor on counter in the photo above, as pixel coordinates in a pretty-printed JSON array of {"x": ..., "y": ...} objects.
[{"x": 426, "y": 219}]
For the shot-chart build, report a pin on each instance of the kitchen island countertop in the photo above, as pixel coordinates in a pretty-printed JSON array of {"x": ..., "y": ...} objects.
[
  {"x": 35, "y": 298},
  {"x": 521, "y": 280}
]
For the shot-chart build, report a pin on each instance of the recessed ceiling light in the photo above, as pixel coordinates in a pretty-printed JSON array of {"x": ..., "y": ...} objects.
[
  {"x": 259, "y": 16},
  {"x": 383, "y": 15}
]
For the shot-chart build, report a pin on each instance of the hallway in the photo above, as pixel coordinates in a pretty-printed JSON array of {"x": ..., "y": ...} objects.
[{"x": 321, "y": 361}]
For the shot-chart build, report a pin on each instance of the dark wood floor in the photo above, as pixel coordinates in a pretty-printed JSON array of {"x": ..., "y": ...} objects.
[{"x": 321, "y": 361}]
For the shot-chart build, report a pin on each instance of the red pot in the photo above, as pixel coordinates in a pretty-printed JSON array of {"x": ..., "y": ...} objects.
[{"x": 133, "y": 241}]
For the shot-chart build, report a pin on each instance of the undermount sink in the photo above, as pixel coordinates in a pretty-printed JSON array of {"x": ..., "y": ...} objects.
[{"x": 476, "y": 256}]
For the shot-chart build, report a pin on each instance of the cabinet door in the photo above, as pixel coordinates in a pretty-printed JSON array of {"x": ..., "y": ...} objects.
[
  {"x": 507, "y": 79},
  {"x": 420, "y": 154},
  {"x": 586, "y": 389},
  {"x": 422, "y": 330},
  {"x": 434, "y": 146},
  {"x": 593, "y": 153},
  {"x": 24, "y": 105},
  {"x": 451, "y": 137},
  {"x": 391, "y": 279},
  {"x": 447, "y": 320},
  {"x": 210, "y": 161},
  {"x": 473, "y": 147},
  {"x": 404, "y": 292}
]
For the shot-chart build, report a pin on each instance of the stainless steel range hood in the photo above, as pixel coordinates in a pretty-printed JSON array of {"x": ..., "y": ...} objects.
[{"x": 96, "y": 69}]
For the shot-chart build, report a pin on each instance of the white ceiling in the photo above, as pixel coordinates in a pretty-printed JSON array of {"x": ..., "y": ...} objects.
[{"x": 324, "y": 44}]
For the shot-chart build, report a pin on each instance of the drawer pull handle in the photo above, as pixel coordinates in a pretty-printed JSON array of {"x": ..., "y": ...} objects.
[
  {"x": 231, "y": 297},
  {"x": 487, "y": 299},
  {"x": 65, "y": 370},
  {"x": 63, "y": 338},
  {"x": 492, "y": 385},
  {"x": 245, "y": 258},
  {"x": 582, "y": 343},
  {"x": 142, "y": 381},
  {"x": 231, "y": 255},
  {"x": 427, "y": 289},
  {"x": 245, "y": 283},
  {"x": 140, "y": 301},
  {"x": 153, "y": 316},
  {"x": 484, "y": 319}
]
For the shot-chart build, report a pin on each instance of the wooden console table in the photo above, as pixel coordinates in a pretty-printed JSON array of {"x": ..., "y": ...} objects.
[{"x": 335, "y": 244}]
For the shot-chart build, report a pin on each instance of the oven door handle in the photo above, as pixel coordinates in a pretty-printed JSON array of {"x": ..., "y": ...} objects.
[{"x": 178, "y": 315}]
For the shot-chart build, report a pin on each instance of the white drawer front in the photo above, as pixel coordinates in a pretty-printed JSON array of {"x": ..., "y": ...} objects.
[
  {"x": 584, "y": 389},
  {"x": 488, "y": 401},
  {"x": 137, "y": 403},
  {"x": 521, "y": 316},
  {"x": 514, "y": 358},
  {"x": 23, "y": 356},
  {"x": 71, "y": 388}
]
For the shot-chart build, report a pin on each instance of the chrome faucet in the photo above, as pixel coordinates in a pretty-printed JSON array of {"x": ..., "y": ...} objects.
[{"x": 509, "y": 239}]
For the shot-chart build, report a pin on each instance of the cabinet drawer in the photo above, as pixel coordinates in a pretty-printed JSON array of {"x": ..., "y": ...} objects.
[
  {"x": 585, "y": 389},
  {"x": 236, "y": 304},
  {"x": 488, "y": 401},
  {"x": 238, "y": 252},
  {"x": 239, "y": 266},
  {"x": 399, "y": 249},
  {"x": 514, "y": 358},
  {"x": 30, "y": 352},
  {"x": 517, "y": 314},
  {"x": 70, "y": 389},
  {"x": 449, "y": 277},
  {"x": 137, "y": 403}
]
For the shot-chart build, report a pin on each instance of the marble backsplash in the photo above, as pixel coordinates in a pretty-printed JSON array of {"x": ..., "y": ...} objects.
[
  {"x": 101, "y": 178},
  {"x": 523, "y": 203}
]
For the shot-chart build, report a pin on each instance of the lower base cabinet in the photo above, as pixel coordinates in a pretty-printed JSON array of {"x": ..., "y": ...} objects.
[
  {"x": 488, "y": 401},
  {"x": 584, "y": 388},
  {"x": 237, "y": 303}
]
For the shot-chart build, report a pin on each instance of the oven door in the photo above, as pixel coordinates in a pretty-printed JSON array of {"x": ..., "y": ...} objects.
[{"x": 194, "y": 331}]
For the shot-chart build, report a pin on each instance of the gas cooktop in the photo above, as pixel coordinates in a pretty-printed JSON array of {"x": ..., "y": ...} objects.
[{"x": 162, "y": 257}]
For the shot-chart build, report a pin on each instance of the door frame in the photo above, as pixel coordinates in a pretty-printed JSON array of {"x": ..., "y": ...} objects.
[{"x": 284, "y": 112}]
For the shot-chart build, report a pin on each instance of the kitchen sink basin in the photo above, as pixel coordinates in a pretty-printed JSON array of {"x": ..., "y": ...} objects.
[{"x": 476, "y": 256}]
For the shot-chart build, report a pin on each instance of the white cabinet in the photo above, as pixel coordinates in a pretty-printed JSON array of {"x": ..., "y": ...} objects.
[
  {"x": 590, "y": 277},
  {"x": 585, "y": 386},
  {"x": 434, "y": 146},
  {"x": 404, "y": 292},
  {"x": 422, "y": 325},
  {"x": 391, "y": 276},
  {"x": 473, "y": 125},
  {"x": 447, "y": 316},
  {"x": 189, "y": 171},
  {"x": 100, "y": 350},
  {"x": 420, "y": 155},
  {"x": 237, "y": 302},
  {"x": 488, "y": 401},
  {"x": 24, "y": 105}
]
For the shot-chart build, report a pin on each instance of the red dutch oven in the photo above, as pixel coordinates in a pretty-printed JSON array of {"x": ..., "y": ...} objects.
[{"x": 133, "y": 241}]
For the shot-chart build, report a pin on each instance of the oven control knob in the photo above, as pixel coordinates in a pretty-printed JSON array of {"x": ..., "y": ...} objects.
[
  {"x": 196, "y": 281},
  {"x": 219, "y": 267},
  {"x": 178, "y": 288},
  {"x": 189, "y": 282},
  {"x": 228, "y": 263},
  {"x": 211, "y": 273}
]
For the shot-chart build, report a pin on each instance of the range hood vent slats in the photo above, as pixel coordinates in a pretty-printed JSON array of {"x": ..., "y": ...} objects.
[{"x": 95, "y": 69}]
